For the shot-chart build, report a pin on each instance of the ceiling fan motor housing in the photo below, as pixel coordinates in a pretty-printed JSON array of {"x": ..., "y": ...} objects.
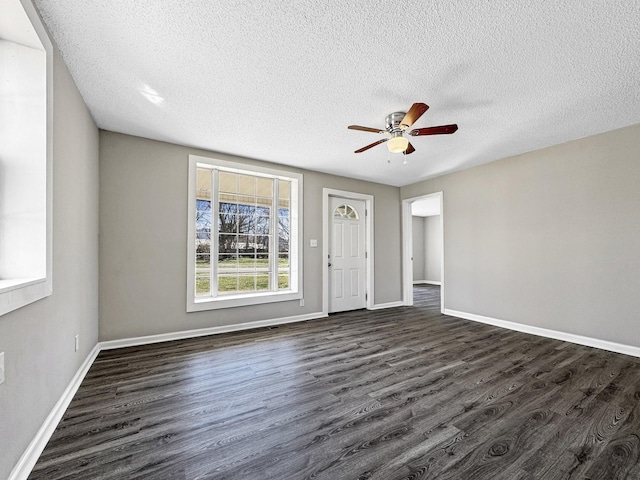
[{"x": 393, "y": 122}]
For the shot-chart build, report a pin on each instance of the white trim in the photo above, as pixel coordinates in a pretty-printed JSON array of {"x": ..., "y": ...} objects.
[
  {"x": 30, "y": 456},
  {"x": 380, "y": 306},
  {"x": 407, "y": 249},
  {"x": 548, "y": 333},
  {"x": 259, "y": 298},
  {"x": 202, "y": 332},
  {"x": 369, "y": 226},
  {"x": 426, "y": 282}
]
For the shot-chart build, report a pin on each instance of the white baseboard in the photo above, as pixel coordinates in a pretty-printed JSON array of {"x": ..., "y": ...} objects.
[
  {"x": 545, "y": 332},
  {"x": 380, "y": 306},
  {"x": 30, "y": 456},
  {"x": 426, "y": 282},
  {"x": 202, "y": 332}
]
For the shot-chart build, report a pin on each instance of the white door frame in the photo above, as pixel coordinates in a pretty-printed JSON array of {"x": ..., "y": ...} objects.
[
  {"x": 368, "y": 234},
  {"x": 407, "y": 249}
]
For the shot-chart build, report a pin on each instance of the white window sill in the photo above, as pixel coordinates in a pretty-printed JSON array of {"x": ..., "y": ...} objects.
[
  {"x": 200, "y": 304},
  {"x": 18, "y": 292},
  {"x": 16, "y": 283}
]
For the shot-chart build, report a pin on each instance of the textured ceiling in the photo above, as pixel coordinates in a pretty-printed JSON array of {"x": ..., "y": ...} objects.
[{"x": 280, "y": 81}]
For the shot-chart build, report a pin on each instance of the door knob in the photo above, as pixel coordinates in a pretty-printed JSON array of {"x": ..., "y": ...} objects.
[{"x": 329, "y": 264}]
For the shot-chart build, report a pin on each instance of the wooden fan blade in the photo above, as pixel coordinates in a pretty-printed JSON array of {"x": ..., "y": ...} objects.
[
  {"x": 365, "y": 129},
  {"x": 414, "y": 113},
  {"x": 409, "y": 149},
  {"x": 372, "y": 145},
  {"x": 439, "y": 130}
]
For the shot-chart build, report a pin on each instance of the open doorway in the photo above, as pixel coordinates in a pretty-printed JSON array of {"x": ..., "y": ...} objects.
[{"x": 423, "y": 244}]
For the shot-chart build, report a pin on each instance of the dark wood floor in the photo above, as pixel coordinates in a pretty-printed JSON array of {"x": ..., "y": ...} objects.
[{"x": 403, "y": 393}]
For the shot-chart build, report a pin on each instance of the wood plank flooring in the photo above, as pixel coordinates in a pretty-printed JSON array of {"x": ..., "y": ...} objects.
[{"x": 402, "y": 393}]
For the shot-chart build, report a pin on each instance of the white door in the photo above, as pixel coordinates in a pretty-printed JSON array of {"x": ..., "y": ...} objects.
[{"x": 347, "y": 260}]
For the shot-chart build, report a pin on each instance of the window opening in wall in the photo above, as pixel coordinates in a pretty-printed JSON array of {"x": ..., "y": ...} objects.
[
  {"x": 246, "y": 235},
  {"x": 25, "y": 157}
]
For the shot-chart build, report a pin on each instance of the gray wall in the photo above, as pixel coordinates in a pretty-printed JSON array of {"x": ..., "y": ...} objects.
[
  {"x": 38, "y": 339},
  {"x": 419, "y": 248},
  {"x": 143, "y": 234},
  {"x": 549, "y": 238},
  {"x": 433, "y": 249}
]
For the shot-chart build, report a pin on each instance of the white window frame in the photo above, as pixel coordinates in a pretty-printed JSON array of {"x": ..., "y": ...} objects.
[
  {"x": 32, "y": 281},
  {"x": 198, "y": 303}
]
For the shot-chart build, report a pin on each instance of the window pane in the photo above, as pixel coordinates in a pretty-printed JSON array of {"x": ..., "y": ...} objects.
[
  {"x": 283, "y": 282},
  {"x": 227, "y": 206},
  {"x": 262, "y": 243},
  {"x": 283, "y": 261},
  {"x": 246, "y": 243},
  {"x": 246, "y": 185},
  {"x": 283, "y": 204},
  {"x": 227, "y": 223},
  {"x": 264, "y": 202},
  {"x": 227, "y": 243},
  {"x": 246, "y": 224},
  {"x": 227, "y": 284},
  {"x": 227, "y": 182},
  {"x": 283, "y": 229},
  {"x": 203, "y": 283},
  {"x": 284, "y": 190},
  {"x": 203, "y": 234},
  {"x": 263, "y": 211},
  {"x": 227, "y": 263},
  {"x": 265, "y": 187},
  {"x": 203, "y": 184},
  {"x": 345, "y": 211},
  {"x": 203, "y": 219},
  {"x": 203, "y": 205},
  {"x": 247, "y": 263},
  {"x": 247, "y": 208},
  {"x": 246, "y": 283},
  {"x": 227, "y": 202},
  {"x": 262, "y": 225},
  {"x": 203, "y": 260},
  {"x": 263, "y": 264},
  {"x": 262, "y": 282},
  {"x": 203, "y": 246}
]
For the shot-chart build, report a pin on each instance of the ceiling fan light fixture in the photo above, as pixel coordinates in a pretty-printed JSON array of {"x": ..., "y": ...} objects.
[{"x": 397, "y": 144}]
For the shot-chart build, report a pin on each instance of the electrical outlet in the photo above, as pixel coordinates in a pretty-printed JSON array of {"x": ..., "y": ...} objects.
[
  {"x": 1, "y": 367},
  {"x": 77, "y": 342},
  {"x": 302, "y": 302}
]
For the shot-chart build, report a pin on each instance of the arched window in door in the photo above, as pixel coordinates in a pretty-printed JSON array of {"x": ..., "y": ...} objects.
[{"x": 346, "y": 212}]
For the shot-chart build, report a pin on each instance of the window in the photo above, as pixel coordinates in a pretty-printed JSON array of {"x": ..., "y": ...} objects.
[
  {"x": 345, "y": 212},
  {"x": 244, "y": 235},
  {"x": 25, "y": 156}
]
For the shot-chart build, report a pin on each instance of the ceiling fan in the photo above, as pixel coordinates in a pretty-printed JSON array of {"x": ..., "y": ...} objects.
[{"x": 397, "y": 123}]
